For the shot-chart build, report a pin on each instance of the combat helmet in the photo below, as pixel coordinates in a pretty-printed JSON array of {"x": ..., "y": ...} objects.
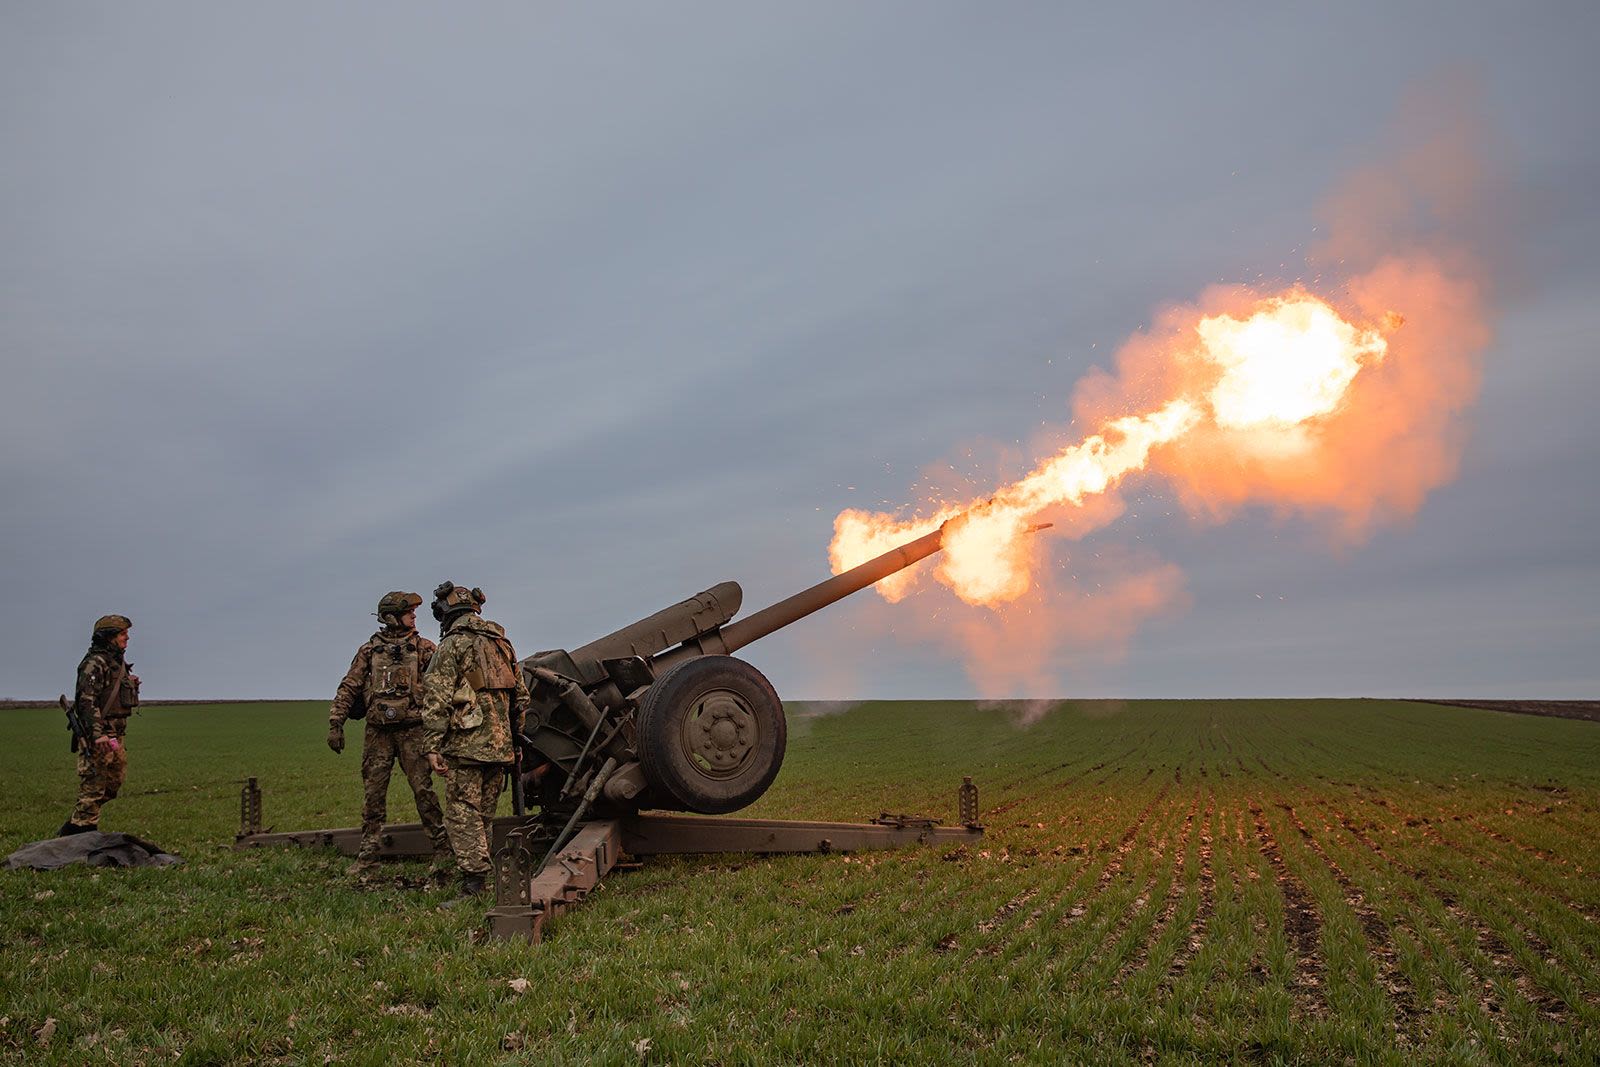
[
  {"x": 398, "y": 603},
  {"x": 107, "y": 625},
  {"x": 451, "y": 599}
]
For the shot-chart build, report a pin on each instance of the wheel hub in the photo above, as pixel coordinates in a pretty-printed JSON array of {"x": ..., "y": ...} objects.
[{"x": 720, "y": 733}]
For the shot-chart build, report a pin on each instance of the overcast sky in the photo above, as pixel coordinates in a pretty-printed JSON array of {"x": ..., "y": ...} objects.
[{"x": 597, "y": 305}]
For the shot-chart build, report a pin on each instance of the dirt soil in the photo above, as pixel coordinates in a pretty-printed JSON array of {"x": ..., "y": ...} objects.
[{"x": 1556, "y": 709}]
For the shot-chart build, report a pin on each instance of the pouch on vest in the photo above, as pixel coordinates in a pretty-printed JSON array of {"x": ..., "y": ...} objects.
[
  {"x": 464, "y": 712},
  {"x": 126, "y": 699},
  {"x": 495, "y": 663},
  {"x": 391, "y": 693}
]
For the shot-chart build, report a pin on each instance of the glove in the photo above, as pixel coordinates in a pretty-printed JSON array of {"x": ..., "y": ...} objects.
[{"x": 336, "y": 737}]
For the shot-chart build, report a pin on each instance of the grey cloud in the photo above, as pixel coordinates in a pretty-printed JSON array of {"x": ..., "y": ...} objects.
[{"x": 597, "y": 308}]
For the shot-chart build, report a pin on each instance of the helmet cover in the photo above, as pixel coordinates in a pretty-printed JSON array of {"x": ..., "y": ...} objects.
[
  {"x": 450, "y": 599},
  {"x": 398, "y": 603},
  {"x": 112, "y": 624}
]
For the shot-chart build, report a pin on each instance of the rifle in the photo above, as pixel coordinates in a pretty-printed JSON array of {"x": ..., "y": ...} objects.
[
  {"x": 519, "y": 795},
  {"x": 519, "y": 799},
  {"x": 80, "y": 736}
]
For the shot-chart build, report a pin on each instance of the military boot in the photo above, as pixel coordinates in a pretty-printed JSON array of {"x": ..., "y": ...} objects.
[
  {"x": 471, "y": 886},
  {"x": 69, "y": 828}
]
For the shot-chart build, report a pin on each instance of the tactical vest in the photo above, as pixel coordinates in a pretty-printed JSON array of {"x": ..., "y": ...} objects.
[
  {"x": 490, "y": 665},
  {"x": 126, "y": 700},
  {"x": 393, "y": 693}
]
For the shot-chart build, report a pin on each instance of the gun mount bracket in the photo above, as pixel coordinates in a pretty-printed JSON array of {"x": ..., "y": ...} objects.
[{"x": 249, "y": 809}]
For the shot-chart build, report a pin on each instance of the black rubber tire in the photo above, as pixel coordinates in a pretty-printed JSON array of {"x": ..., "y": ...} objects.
[{"x": 712, "y": 734}]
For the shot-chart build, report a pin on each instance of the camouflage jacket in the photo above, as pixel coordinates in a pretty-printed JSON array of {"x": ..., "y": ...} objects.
[
  {"x": 97, "y": 672},
  {"x": 474, "y": 696},
  {"x": 353, "y": 688}
]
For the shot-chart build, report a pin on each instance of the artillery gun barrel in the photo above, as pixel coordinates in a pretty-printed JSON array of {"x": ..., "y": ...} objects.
[{"x": 735, "y": 635}]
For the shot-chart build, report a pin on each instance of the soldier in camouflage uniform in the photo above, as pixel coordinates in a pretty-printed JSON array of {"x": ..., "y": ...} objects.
[
  {"x": 384, "y": 684},
  {"x": 106, "y": 695},
  {"x": 474, "y": 699}
]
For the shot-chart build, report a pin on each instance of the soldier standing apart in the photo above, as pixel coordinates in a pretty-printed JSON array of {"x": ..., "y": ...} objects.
[
  {"x": 474, "y": 699},
  {"x": 106, "y": 695},
  {"x": 384, "y": 684}
]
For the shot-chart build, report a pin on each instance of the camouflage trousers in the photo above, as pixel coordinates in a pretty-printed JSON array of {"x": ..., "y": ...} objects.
[
  {"x": 471, "y": 794},
  {"x": 381, "y": 748},
  {"x": 101, "y": 770}
]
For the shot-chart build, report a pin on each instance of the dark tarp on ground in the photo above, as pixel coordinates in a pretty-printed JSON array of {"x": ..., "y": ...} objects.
[{"x": 97, "y": 849}]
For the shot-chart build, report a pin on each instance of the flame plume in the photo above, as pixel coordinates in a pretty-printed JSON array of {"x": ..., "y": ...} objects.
[{"x": 1267, "y": 378}]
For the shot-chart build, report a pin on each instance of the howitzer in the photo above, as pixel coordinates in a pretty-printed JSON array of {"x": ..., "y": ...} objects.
[
  {"x": 686, "y": 725},
  {"x": 659, "y": 714}
]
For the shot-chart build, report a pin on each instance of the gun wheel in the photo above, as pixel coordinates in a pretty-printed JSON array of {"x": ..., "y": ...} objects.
[{"x": 712, "y": 734}]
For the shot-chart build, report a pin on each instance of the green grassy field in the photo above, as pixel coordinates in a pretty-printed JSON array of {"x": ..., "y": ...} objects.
[{"x": 1277, "y": 881}]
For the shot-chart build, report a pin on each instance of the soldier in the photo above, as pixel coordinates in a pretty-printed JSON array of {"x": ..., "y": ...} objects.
[
  {"x": 384, "y": 684},
  {"x": 474, "y": 699},
  {"x": 106, "y": 695}
]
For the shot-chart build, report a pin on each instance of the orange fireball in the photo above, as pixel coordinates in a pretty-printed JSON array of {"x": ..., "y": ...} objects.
[{"x": 1264, "y": 375}]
